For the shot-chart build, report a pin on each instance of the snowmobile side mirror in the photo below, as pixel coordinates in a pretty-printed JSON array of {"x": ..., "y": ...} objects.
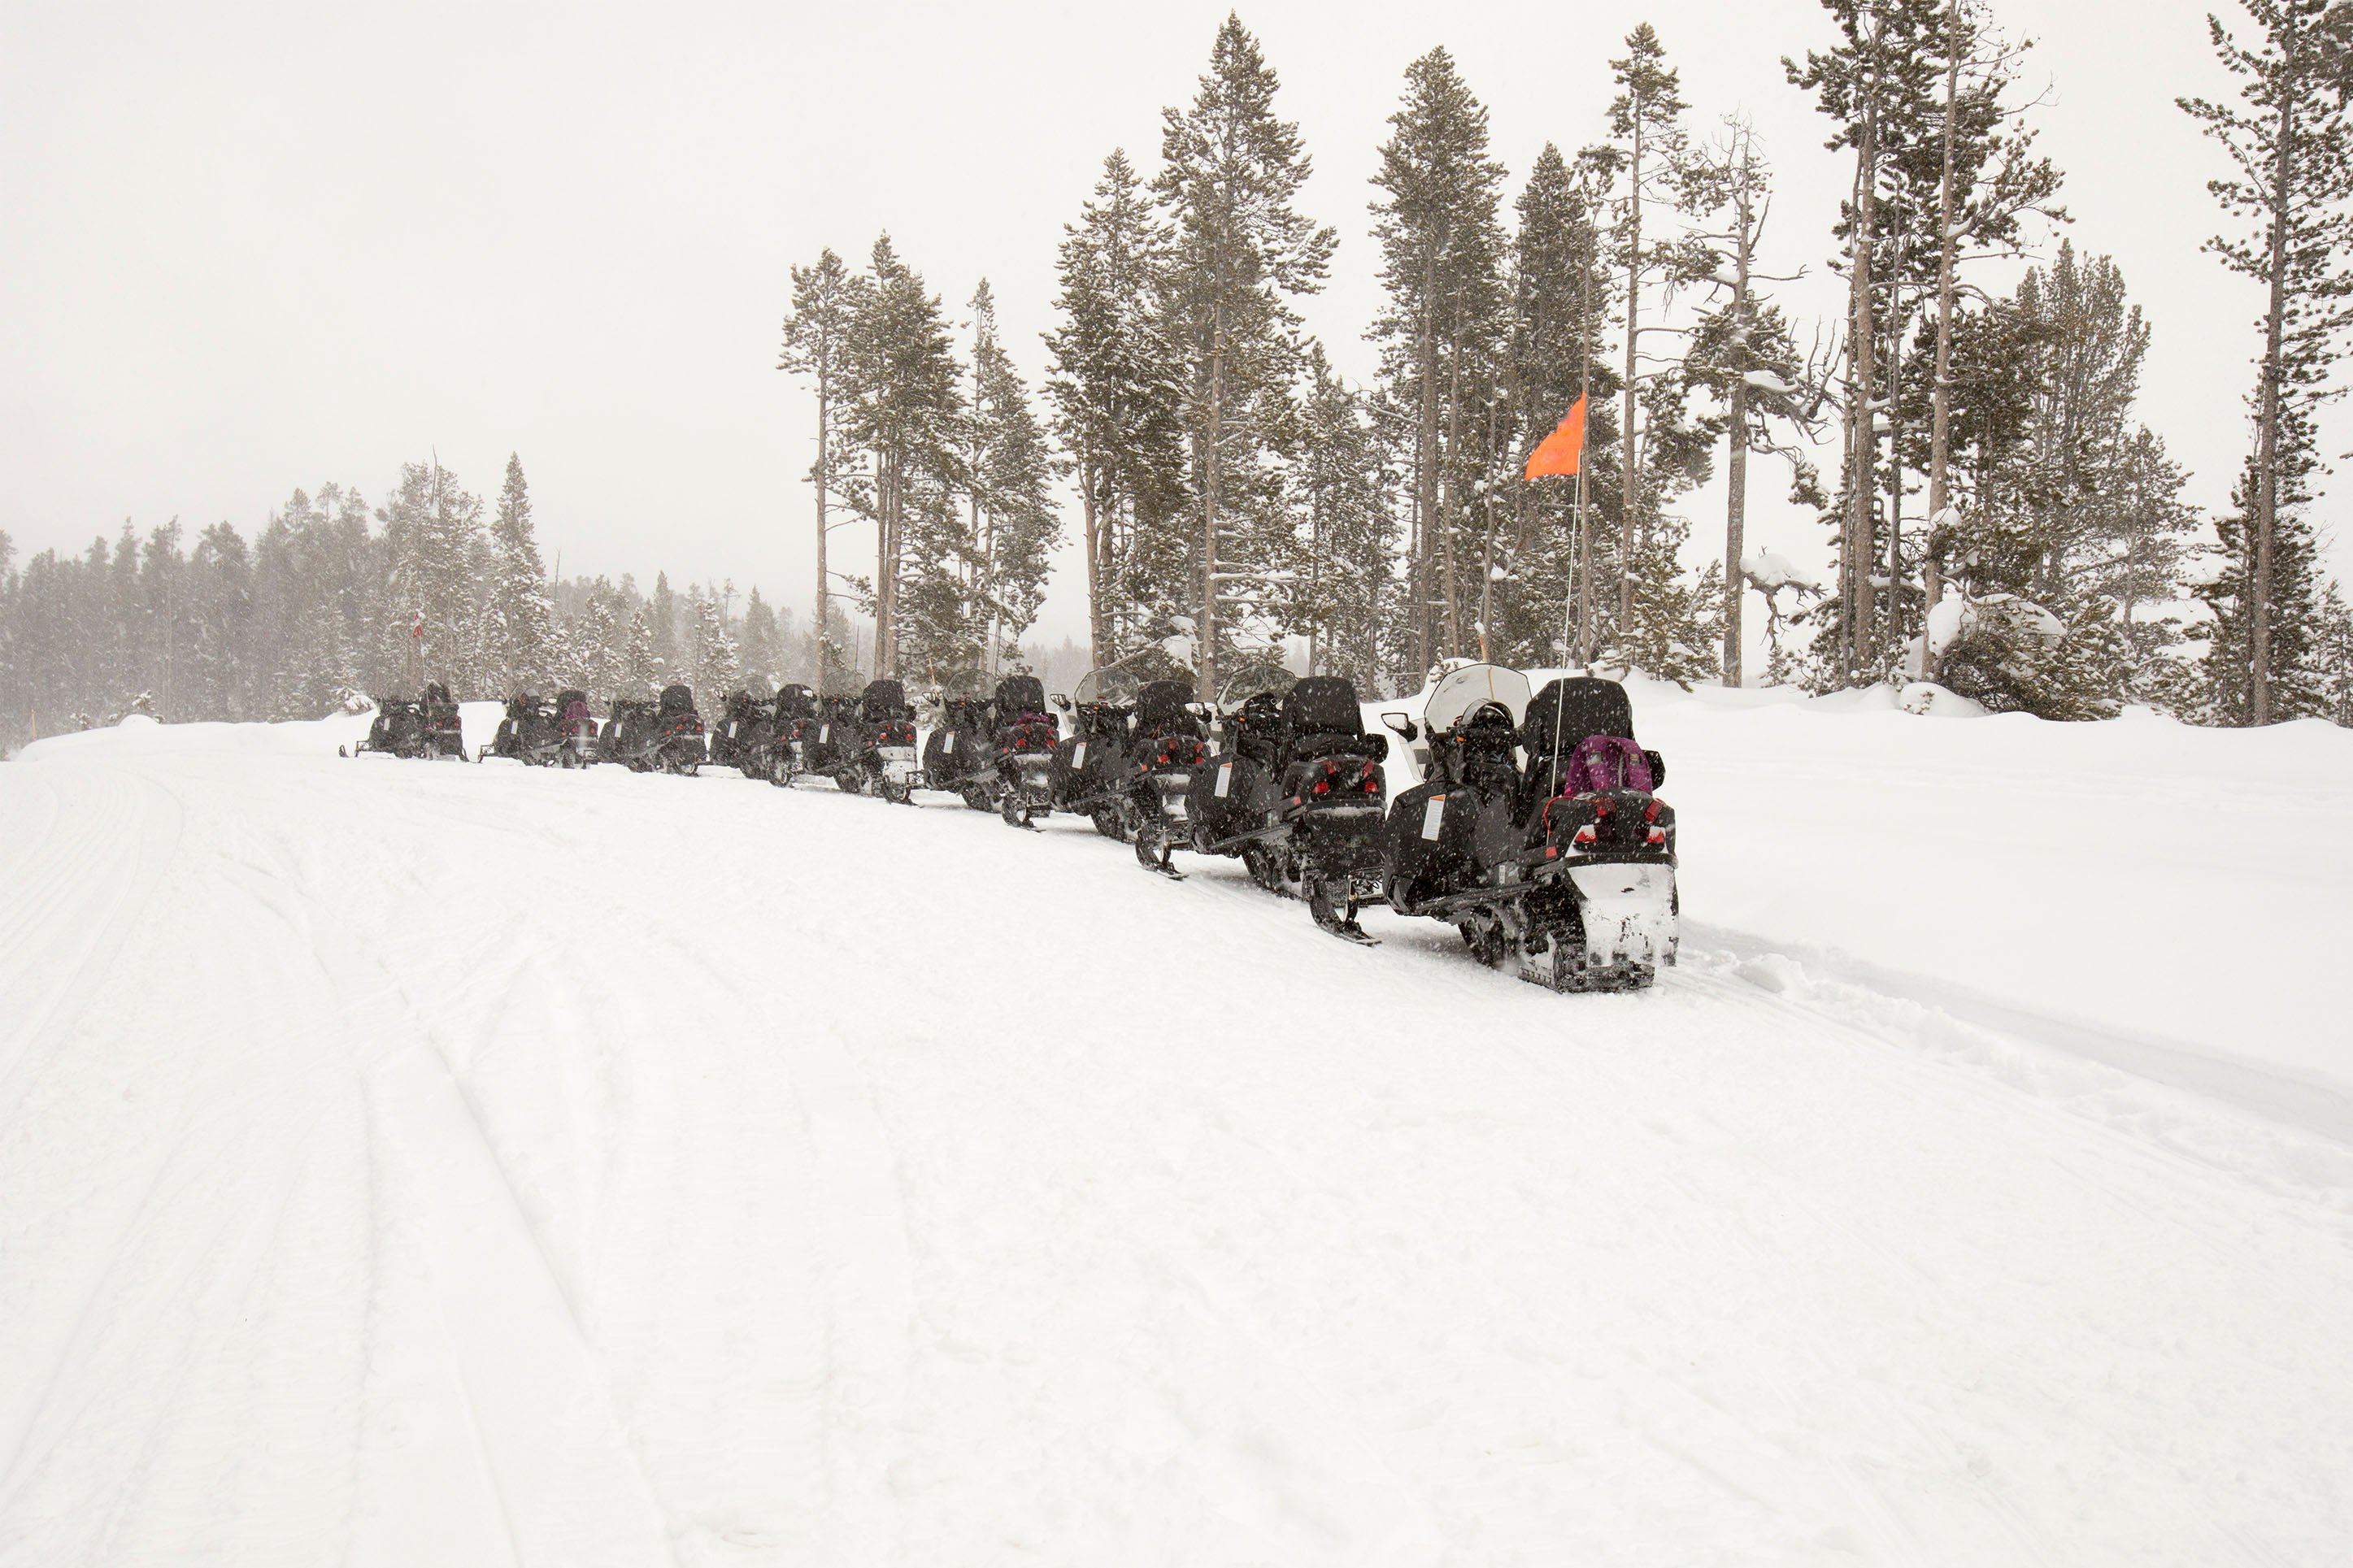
[
  {"x": 1060, "y": 700},
  {"x": 1401, "y": 726}
]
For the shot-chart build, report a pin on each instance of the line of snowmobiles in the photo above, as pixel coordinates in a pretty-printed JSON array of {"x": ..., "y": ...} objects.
[{"x": 1535, "y": 829}]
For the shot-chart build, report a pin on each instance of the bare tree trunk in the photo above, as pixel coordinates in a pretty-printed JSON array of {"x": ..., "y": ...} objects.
[
  {"x": 1583, "y": 649},
  {"x": 1940, "y": 426},
  {"x": 1208, "y": 629},
  {"x": 824, "y": 478},
  {"x": 1096, "y": 640},
  {"x": 1736, "y": 463},
  {"x": 2259, "y": 708},
  {"x": 1855, "y": 552},
  {"x": 1425, "y": 468},
  {"x": 1453, "y": 485},
  {"x": 1629, "y": 451}
]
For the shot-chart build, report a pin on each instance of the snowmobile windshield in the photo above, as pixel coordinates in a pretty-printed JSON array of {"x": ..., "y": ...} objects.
[
  {"x": 1266, "y": 678},
  {"x": 677, "y": 699},
  {"x": 1113, "y": 684},
  {"x": 1572, "y": 710},
  {"x": 1464, "y": 690}
]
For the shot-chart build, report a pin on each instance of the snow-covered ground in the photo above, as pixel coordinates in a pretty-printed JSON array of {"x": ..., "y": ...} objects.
[{"x": 407, "y": 1164}]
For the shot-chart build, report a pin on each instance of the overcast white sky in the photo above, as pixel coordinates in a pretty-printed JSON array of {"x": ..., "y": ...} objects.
[{"x": 255, "y": 246}]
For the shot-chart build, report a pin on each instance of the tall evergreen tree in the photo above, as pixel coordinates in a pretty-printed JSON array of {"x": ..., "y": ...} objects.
[
  {"x": 432, "y": 539},
  {"x": 1117, "y": 395},
  {"x": 1239, "y": 253},
  {"x": 1442, "y": 247},
  {"x": 827, "y": 299},
  {"x": 2290, "y": 138},
  {"x": 519, "y": 626}
]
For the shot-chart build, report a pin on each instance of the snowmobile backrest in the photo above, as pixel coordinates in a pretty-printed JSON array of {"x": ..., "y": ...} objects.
[
  {"x": 1324, "y": 705},
  {"x": 884, "y": 700},
  {"x": 1166, "y": 708},
  {"x": 1567, "y": 710},
  {"x": 677, "y": 699},
  {"x": 796, "y": 701},
  {"x": 1605, "y": 762},
  {"x": 1019, "y": 694}
]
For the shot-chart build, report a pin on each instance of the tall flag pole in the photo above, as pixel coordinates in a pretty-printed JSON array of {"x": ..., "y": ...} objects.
[{"x": 1562, "y": 453}]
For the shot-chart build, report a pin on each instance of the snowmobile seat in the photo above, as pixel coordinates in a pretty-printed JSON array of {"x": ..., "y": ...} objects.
[{"x": 1322, "y": 718}]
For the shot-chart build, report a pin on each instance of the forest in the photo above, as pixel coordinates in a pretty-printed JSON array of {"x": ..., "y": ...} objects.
[{"x": 1967, "y": 429}]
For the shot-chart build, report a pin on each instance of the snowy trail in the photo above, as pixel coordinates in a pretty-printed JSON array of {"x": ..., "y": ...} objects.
[{"x": 409, "y": 1163}]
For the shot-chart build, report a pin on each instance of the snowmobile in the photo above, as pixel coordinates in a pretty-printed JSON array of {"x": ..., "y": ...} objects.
[
  {"x": 531, "y": 732},
  {"x": 886, "y": 741},
  {"x": 444, "y": 734},
  {"x": 834, "y": 750},
  {"x": 747, "y": 742},
  {"x": 578, "y": 728},
  {"x": 400, "y": 730},
  {"x": 628, "y": 732},
  {"x": 1090, "y": 775},
  {"x": 1025, "y": 736},
  {"x": 1565, "y": 863},
  {"x": 1167, "y": 749},
  {"x": 1230, "y": 797},
  {"x": 796, "y": 738},
  {"x": 1330, "y": 805},
  {"x": 958, "y": 755}
]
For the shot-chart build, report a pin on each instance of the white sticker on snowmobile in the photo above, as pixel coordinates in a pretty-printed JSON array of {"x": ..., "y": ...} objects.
[
  {"x": 951, "y": 746},
  {"x": 1225, "y": 778},
  {"x": 731, "y": 729},
  {"x": 824, "y": 733},
  {"x": 1079, "y": 757},
  {"x": 1433, "y": 816}
]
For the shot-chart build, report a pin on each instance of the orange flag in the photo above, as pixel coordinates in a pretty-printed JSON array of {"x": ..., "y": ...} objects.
[{"x": 1562, "y": 451}]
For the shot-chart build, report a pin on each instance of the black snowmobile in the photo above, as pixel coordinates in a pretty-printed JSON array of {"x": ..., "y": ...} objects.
[
  {"x": 578, "y": 728},
  {"x": 834, "y": 750},
  {"x": 664, "y": 735},
  {"x": 628, "y": 732},
  {"x": 747, "y": 739},
  {"x": 444, "y": 734},
  {"x": 1025, "y": 737},
  {"x": 399, "y": 729},
  {"x": 960, "y": 754},
  {"x": 886, "y": 741},
  {"x": 1230, "y": 800},
  {"x": 1165, "y": 752},
  {"x": 1565, "y": 863},
  {"x": 531, "y": 732},
  {"x": 797, "y": 728},
  {"x": 1090, "y": 775},
  {"x": 1330, "y": 800}
]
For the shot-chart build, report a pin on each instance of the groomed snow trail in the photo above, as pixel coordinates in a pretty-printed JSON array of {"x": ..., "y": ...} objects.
[{"x": 407, "y": 1163}]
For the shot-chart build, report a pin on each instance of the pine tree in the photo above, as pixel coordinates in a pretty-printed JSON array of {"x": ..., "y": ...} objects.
[
  {"x": 1116, "y": 392},
  {"x": 2291, "y": 139},
  {"x": 717, "y": 670},
  {"x": 433, "y": 540},
  {"x": 907, "y": 411},
  {"x": 827, "y": 299},
  {"x": 1239, "y": 253},
  {"x": 519, "y": 626},
  {"x": 642, "y": 670},
  {"x": 763, "y": 645},
  {"x": 1009, "y": 479},
  {"x": 1561, "y": 304},
  {"x": 1743, "y": 353},
  {"x": 1442, "y": 247},
  {"x": 1338, "y": 582}
]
